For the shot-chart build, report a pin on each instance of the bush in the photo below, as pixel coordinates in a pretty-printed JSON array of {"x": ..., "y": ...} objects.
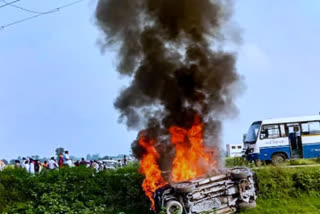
[
  {"x": 82, "y": 190},
  {"x": 238, "y": 161},
  {"x": 73, "y": 190},
  {"x": 288, "y": 182}
]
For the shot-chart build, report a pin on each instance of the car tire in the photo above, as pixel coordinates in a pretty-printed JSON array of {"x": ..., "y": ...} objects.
[
  {"x": 174, "y": 207},
  {"x": 240, "y": 172},
  {"x": 246, "y": 206},
  {"x": 278, "y": 159}
]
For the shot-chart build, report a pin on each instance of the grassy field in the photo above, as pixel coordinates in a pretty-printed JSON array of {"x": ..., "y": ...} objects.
[
  {"x": 299, "y": 205},
  {"x": 286, "y": 190}
]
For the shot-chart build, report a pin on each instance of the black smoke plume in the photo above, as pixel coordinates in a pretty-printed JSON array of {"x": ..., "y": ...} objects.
[{"x": 171, "y": 50}]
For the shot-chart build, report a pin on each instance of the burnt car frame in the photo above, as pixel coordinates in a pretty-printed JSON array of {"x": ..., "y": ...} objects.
[{"x": 228, "y": 191}]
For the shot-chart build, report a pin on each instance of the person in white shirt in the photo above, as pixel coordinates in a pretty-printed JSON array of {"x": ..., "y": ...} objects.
[
  {"x": 31, "y": 167},
  {"x": 66, "y": 159},
  {"x": 95, "y": 165},
  {"x": 23, "y": 162},
  {"x": 27, "y": 164},
  {"x": 53, "y": 164}
]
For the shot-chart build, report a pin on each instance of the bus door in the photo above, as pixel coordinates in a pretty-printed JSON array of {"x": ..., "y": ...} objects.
[{"x": 295, "y": 141}]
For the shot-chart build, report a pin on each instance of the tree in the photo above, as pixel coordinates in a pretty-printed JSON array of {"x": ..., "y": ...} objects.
[{"x": 59, "y": 151}]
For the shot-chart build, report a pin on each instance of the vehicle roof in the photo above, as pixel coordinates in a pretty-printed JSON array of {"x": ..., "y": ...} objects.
[{"x": 291, "y": 119}]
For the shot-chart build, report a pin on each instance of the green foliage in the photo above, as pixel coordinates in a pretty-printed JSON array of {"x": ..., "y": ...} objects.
[
  {"x": 302, "y": 162},
  {"x": 303, "y": 204},
  {"x": 238, "y": 161},
  {"x": 73, "y": 190},
  {"x": 288, "y": 182},
  {"x": 82, "y": 190}
]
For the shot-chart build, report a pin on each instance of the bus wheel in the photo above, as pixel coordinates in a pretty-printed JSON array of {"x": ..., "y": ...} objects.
[{"x": 278, "y": 158}]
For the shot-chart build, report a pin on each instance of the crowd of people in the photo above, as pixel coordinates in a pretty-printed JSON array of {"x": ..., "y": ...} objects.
[{"x": 36, "y": 166}]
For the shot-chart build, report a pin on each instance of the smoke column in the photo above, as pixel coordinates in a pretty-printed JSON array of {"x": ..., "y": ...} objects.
[{"x": 171, "y": 51}]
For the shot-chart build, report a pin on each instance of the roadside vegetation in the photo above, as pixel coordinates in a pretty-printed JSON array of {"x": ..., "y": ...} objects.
[
  {"x": 73, "y": 190},
  {"x": 82, "y": 190},
  {"x": 288, "y": 191},
  {"x": 239, "y": 161}
]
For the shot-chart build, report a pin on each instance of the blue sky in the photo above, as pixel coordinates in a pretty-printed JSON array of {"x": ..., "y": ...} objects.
[{"x": 57, "y": 89}]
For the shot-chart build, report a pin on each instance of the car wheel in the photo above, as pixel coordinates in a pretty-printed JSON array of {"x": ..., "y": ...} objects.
[
  {"x": 174, "y": 207},
  {"x": 278, "y": 159},
  {"x": 240, "y": 172}
]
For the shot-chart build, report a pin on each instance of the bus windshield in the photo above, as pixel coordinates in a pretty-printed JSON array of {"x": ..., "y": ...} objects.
[{"x": 252, "y": 134}]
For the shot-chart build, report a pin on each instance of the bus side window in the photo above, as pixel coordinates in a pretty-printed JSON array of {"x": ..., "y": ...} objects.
[
  {"x": 270, "y": 131},
  {"x": 283, "y": 130},
  {"x": 305, "y": 128},
  {"x": 314, "y": 127}
]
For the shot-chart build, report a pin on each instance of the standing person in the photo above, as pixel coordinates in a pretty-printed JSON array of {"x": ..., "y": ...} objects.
[
  {"x": 23, "y": 163},
  {"x": 2, "y": 165},
  {"x": 83, "y": 162},
  {"x": 45, "y": 165},
  {"x": 119, "y": 163},
  {"x": 52, "y": 164},
  {"x": 124, "y": 160},
  {"x": 31, "y": 166},
  {"x": 27, "y": 164},
  {"x": 60, "y": 160},
  {"x": 66, "y": 159},
  {"x": 17, "y": 164},
  {"x": 37, "y": 166},
  {"x": 95, "y": 165}
]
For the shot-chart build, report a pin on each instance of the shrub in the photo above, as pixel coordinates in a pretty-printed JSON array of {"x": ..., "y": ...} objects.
[
  {"x": 238, "y": 161},
  {"x": 288, "y": 182},
  {"x": 82, "y": 190},
  {"x": 73, "y": 190}
]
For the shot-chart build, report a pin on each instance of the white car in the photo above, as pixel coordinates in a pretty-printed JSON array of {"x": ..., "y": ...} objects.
[
  {"x": 111, "y": 164},
  {"x": 225, "y": 192}
]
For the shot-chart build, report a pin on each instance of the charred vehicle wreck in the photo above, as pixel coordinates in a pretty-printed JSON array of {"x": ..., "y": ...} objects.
[{"x": 226, "y": 192}]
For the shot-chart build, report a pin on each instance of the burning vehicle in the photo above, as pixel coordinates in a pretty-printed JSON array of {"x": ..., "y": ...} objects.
[
  {"x": 182, "y": 85},
  {"x": 225, "y": 192}
]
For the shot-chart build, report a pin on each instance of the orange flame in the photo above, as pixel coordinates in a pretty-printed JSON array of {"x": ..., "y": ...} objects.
[
  {"x": 191, "y": 159},
  {"x": 149, "y": 167}
]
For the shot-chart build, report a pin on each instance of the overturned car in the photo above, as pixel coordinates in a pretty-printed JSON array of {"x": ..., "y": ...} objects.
[{"x": 225, "y": 192}]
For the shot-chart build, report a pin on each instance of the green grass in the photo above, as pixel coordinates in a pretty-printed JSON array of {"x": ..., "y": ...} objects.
[
  {"x": 288, "y": 191},
  {"x": 239, "y": 161},
  {"x": 300, "y": 205},
  {"x": 303, "y": 162}
]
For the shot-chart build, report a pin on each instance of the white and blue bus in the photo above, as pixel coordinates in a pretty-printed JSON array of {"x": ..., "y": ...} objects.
[{"x": 279, "y": 139}]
